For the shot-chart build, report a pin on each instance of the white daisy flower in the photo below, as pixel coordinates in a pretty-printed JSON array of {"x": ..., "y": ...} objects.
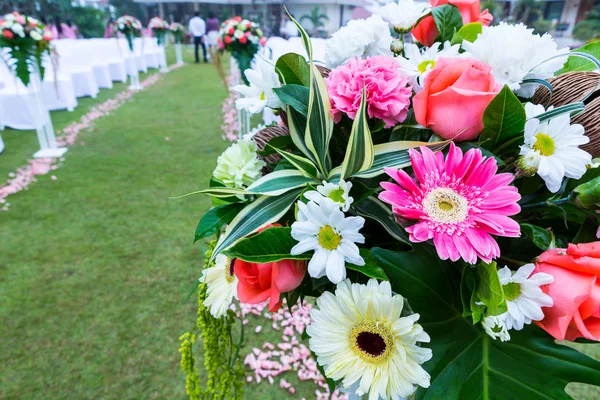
[
  {"x": 263, "y": 79},
  {"x": 515, "y": 53},
  {"x": 524, "y": 297},
  {"x": 417, "y": 63},
  {"x": 324, "y": 228},
  {"x": 221, "y": 286},
  {"x": 339, "y": 193},
  {"x": 495, "y": 327},
  {"x": 239, "y": 166},
  {"x": 404, "y": 14},
  {"x": 551, "y": 150},
  {"x": 359, "y": 336}
]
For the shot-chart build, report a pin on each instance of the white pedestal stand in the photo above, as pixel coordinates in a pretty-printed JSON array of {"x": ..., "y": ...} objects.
[
  {"x": 178, "y": 54},
  {"x": 134, "y": 75},
  {"x": 163, "y": 59},
  {"x": 244, "y": 122},
  {"x": 41, "y": 119},
  {"x": 1, "y": 143}
]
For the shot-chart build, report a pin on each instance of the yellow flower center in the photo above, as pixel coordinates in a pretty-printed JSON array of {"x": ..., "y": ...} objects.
[
  {"x": 263, "y": 96},
  {"x": 328, "y": 238},
  {"x": 511, "y": 290},
  {"x": 337, "y": 195},
  {"x": 229, "y": 271},
  {"x": 372, "y": 341},
  {"x": 446, "y": 206},
  {"x": 424, "y": 66},
  {"x": 544, "y": 144}
]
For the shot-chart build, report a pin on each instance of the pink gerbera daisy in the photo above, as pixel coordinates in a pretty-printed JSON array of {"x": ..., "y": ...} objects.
[{"x": 458, "y": 202}]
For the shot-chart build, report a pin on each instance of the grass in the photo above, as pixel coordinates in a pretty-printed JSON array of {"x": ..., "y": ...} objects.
[{"x": 94, "y": 266}]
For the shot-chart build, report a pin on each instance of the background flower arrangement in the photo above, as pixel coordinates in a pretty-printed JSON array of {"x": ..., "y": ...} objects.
[
  {"x": 130, "y": 27},
  {"x": 444, "y": 222},
  {"x": 26, "y": 41},
  {"x": 178, "y": 31},
  {"x": 159, "y": 27}
]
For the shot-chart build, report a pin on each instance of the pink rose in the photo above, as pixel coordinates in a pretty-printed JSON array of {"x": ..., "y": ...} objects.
[
  {"x": 456, "y": 93},
  {"x": 575, "y": 291},
  {"x": 426, "y": 31},
  {"x": 263, "y": 40},
  {"x": 243, "y": 40}
]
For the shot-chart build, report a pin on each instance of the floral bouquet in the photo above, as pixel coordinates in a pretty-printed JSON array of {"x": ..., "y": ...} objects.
[
  {"x": 159, "y": 28},
  {"x": 241, "y": 38},
  {"x": 439, "y": 200},
  {"x": 130, "y": 27},
  {"x": 26, "y": 41},
  {"x": 178, "y": 31}
]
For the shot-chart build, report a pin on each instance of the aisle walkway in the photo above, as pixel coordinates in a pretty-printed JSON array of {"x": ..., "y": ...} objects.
[{"x": 94, "y": 265}]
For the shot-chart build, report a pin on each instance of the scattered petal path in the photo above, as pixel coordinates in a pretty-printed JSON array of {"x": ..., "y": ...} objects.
[{"x": 231, "y": 125}]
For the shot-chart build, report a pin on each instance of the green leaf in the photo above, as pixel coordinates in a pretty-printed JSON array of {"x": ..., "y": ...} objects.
[
  {"x": 376, "y": 210},
  {"x": 394, "y": 155},
  {"x": 503, "y": 120},
  {"x": 359, "y": 153},
  {"x": 539, "y": 236},
  {"x": 295, "y": 96},
  {"x": 447, "y": 19},
  {"x": 265, "y": 210},
  {"x": 469, "y": 32},
  {"x": 272, "y": 244},
  {"x": 279, "y": 182},
  {"x": 215, "y": 218},
  {"x": 293, "y": 70},
  {"x": 467, "y": 364},
  {"x": 297, "y": 125},
  {"x": 575, "y": 63},
  {"x": 371, "y": 268},
  {"x": 489, "y": 290},
  {"x": 303, "y": 164}
]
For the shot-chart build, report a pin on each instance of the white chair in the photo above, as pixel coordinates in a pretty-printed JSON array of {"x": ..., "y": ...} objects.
[
  {"x": 89, "y": 50},
  {"x": 82, "y": 73},
  {"x": 151, "y": 52},
  {"x": 58, "y": 88},
  {"x": 112, "y": 53}
]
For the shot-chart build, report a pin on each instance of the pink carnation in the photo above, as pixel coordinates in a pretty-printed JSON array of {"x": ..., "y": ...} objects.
[
  {"x": 388, "y": 91},
  {"x": 459, "y": 202}
]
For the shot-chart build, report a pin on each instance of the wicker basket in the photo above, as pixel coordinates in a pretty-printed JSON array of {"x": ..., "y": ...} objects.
[
  {"x": 590, "y": 119},
  {"x": 262, "y": 138}
]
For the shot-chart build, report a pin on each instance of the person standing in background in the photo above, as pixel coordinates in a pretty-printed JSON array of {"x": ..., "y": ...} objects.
[
  {"x": 109, "y": 31},
  {"x": 212, "y": 30},
  {"x": 197, "y": 28}
]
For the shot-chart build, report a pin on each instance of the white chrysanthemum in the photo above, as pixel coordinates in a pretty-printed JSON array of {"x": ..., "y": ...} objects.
[
  {"x": 238, "y": 166},
  {"x": 339, "y": 193},
  {"x": 263, "y": 79},
  {"x": 221, "y": 286},
  {"x": 513, "y": 51},
  {"x": 359, "y": 336},
  {"x": 404, "y": 14},
  {"x": 552, "y": 151},
  {"x": 359, "y": 38},
  {"x": 495, "y": 327},
  {"x": 524, "y": 297},
  {"x": 417, "y": 63},
  {"x": 18, "y": 30},
  {"x": 324, "y": 228}
]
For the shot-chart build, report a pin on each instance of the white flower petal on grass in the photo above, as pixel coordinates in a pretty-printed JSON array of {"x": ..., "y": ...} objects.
[
  {"x": 404, "y": 14},
  {"x": 263, "y": 79},
  {"x": 360, "y": 338},
  {"x": 551, "y": 149},
  {"x": 339, "y": 193},
  {"x": 323, "y": 228},
  {"x": 221, "y": 286},
  {"x": 239, "y": 166},
  {"x": 495, "y": 327},
  {"x": 515, "y": 53},
  {"x": 524, "y": 297}
]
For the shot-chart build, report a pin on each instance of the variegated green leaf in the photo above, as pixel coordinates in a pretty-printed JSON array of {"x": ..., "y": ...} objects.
[
  {"x": 303, "y": 164},
  {"x": 297, "y": 126},
  {"x": 279, "y": 182},
  {"x": 395, "y": 155},
  {"x": 220, "y": 192},
  {"x": 265, "y": 210},
  {"x": 359, "y": 153},
  {"x": 376, "y": 210}
]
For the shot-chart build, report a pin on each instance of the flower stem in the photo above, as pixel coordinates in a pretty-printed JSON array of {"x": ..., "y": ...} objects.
[{"x": 551, "y": 203}]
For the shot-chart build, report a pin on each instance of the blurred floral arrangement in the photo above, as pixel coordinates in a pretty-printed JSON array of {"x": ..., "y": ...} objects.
[
  {"x": 159, "y": 28},
  {"x": 437, "y": 199},
  {"x": 27, "y": 42},
  {"x": 242, "y": 39},
  {"x": 129, "y": 27},
  {"x": 178, "y": 31}
]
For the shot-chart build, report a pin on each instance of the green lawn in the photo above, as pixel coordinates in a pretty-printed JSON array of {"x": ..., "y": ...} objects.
[{"x": 94, "y": 266}]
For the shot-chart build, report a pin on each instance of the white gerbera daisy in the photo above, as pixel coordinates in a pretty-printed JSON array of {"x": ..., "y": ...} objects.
[
  {"x": 524, "y": 297},
  {"x": 324, "y": 228},
  {"x": 358, "y": 335},
  {"x": 552, "y": 151},
  {"x": 339, "y": 193},
  {"x": 263, "y": 79},
  {"x": 515, "y": 53},
  {"x": 239, "y": 166},
  {"x": 221, "y": 286},
  {"x": 417, "y": 63},
  {"x": 404, "y": 14},
  {"x": 495, "y": 327}
]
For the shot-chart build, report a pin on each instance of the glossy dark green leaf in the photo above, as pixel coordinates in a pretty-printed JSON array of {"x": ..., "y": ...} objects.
[
  {"x": 272, "y": 244},
  {"x": 503, "y": 120},
  {"x": 216, "y": 218},
  {"x": 468, "y": 32},
  {"x": 539, "y": 236},
  {"x": 295, "y": 96},
  {"x": 374, "y": 209},
  {"x": 293, "y": 69},
  {"x": 467, "y": 364},
  {"x": 489, "y": 290},
  {"x": 371, "y": 267},
  {"x": 447, "y": 19}
]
